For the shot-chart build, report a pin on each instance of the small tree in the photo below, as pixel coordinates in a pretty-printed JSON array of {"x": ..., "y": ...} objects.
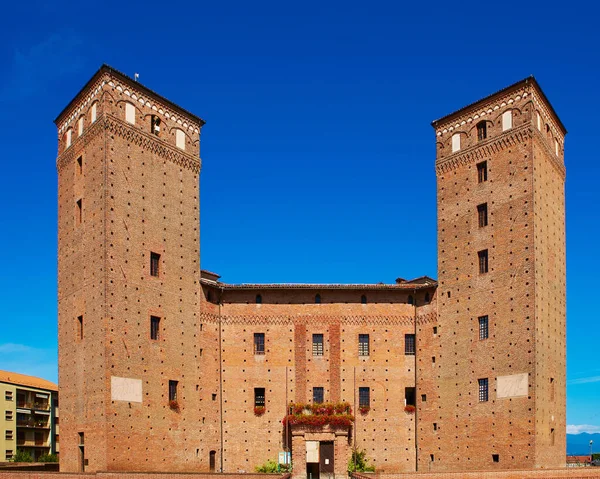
[
  {"x": 596, "y": 456},
  {"x": 22, "y": 456},
  {"x": 48, "y": 458},
  {"x": 358, "y": 462}
]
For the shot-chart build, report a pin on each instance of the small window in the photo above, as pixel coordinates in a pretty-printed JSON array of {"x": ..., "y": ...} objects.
[
  {"x": 411, "y": 299},
  {"x": 364, "y": 397},
  {"x": 410, "y": 396},
  {"x": 8, "y": 395},
  {"x": 482, "y": 172},
  {"x": 154, "y": 264},
  {"x": 481, "y": 130},
  {"x": 551, "y": 389},
  {"x": 318, "y": 299},
  {"x": 552, "y": 436},
  {"x": 483, "y": 327},
  {"x": 259, "y": 397},
  {"x": 9, "y": 454},
  {"x": 80, "y": 327},
  {"x": 435, "y": 330},
  {"x": 69, "y": 138},
  {"x": 214, "y": 396},
  {"x": 483, "y": 261},
  {"x": 427, "y": 298},
  {"x": 155, "y": 125},
  {"x": 318, "y": 395},
  {"x": 556, "y": 149},
  {"x": 482, "y": 214},
  {"x": 496, "y": 457},
  {"x": 409, "y": 344},
  {"x": 130, "y": 113},
  {"x": 80, "y": 126},
  {"x": 317, "y": 344},
  {"x": 173, "y": 390},
  {"x": 547, "y": 128},
  {"x": 80, "y": 165},
  {"x": 431, "y": 457},
  {"x": 363, "y": 299},
  {"x": 507, "y": 120},
  {"x": 483, "y": 390},
  {"x": 81, "y": 439},
  {"x": 423, "y": 397},
  {"x": 154, "y": 328},
  {"x": 455, "y": 142},
  {"x": 258, "y": 299},
  {"x": 259, "y": 343},
  {"x": 363, "y": 344},
  {"x": 435, "y": 426},
  {"x": 93, "y": 112},
  {"x": 9, "y": 435},
  {"x": 79, "y": 212},
  {"x": 8, "y": 415},
  {"x": 180, "y": 139},
  {"x": 539, "y": 121}
]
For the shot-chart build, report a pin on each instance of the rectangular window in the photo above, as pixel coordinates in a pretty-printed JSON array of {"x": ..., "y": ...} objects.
[
  {"x": 481, "y": 131},
  {"x": 180, "y": 139},
  {"x": 483, "y": 327},
  {"x": 129, "y": 113},
  {"x": 259, "y": 397},
  {"x": 9, "y": 435},
  {"x": 410, "y": 396},
  {"x": 154, "y": 264},
  {"x": 81, "y": 439},
  {"x": 8, "y": 416},
  {"x": 80, "y": 127},
  {"x": 154, "y": 328},
  {"x": 482, "y": 172},
  {"x": 80, "y": 327},
  {"x": 507, "y": 120},
  {"x": 69, "y": 137},
  {"x": 482, "y": 214},
  {"x": 79, "y": 212},
  {"x": 364, "y": 397},
  {"x": 435, "y": 426},
  {"x": 455, "y": 142},
  {"x": 409, "y": 344},
  {"x": 259, "y": 343},
  {"x": 539, "y": 121},
  {"x": 93, "y": 113},
  {"x": 173, "y": 390},
  {"x": 318, "y": 395},
  {"x": 483, "y": 390},
  {"x": 435, "y": 330},
  {"x": 9, "y": 454},
  {"x": 496, "y": 457},
  {"x": 8, "y": 395},
  {"x": 483, "y": 261},
  {"x": 363, "y": 344},
  {"x": 317, "y": 345}
]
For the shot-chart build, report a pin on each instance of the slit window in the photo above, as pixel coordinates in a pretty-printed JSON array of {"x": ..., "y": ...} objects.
[
  {"x": 154, "y": 328},
  {"x": 363, "y": 344},
  {"x": 259, "y": 343},
  {"x": 259, "y": 397},
  {"x": 483, "y": 390},
  {"x": 364, "y": 397},
  {"x": 154, "y": 264},
  {"x": 483, "y": 327},
  {"x": 318, "y": 395},
  {"x": 483, "y": 261},
  {"x": 79, "y": 211},
  {"x": 482, "y": 172},
  {"x": 409, "y": 344},
  {"x": 173, "y": 390},
  {"x": 80, "y": 327},
  {"x": 482, "y": 214},
  {"x": 551, "y": 389},
  {"x": 317, "y": 344},
  {"x": 80, "y": 165},
  {"x": 481, "y": 131}
]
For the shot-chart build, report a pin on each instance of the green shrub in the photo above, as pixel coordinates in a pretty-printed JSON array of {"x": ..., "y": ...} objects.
[
  {"x": 22, "y": 456},
  {"x": 359, "y": 463},
  {"x": 48, "y": 458},
  {"x": 271, "y": 467}
]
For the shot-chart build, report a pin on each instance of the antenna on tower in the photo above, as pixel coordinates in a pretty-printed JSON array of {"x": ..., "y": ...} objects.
[{"x": 136, "y": 76}]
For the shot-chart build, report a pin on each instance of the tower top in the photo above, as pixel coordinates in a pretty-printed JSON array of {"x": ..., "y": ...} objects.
[
  {"x": 521, "y": 89},
  {"x": 112, "y": 74}
]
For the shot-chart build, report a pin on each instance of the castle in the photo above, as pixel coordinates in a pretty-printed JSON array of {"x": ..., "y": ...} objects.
[{"x": 163, "y": 367}]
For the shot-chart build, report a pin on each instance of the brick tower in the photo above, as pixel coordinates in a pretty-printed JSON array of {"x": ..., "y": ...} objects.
[
  {"x": 128, "y": 280},
  {"x": 497, "y": 396}
]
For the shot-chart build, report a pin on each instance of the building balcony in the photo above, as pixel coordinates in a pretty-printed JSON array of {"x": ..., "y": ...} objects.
[
  {"x": 32, "y": 443},
  {"x": 37, "y": 406},
  {"x": 33, "y": 424}
]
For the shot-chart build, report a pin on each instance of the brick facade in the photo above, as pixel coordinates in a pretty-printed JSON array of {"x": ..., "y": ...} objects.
[{"x": 180, "y": 395}]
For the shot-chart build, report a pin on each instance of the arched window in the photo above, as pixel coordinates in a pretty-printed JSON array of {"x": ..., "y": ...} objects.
[
  {"x": 130, "y": 113},
  {"x": 363, "y": 299},
  {"x": 68, "y": 138},
  {"x": 410, "y": 299},
  {"x": 507, "y": 120},
  {"x": 80, "y": 126},
  {"x": 93, "y": 112},
  {"x": 481, "y": 130},
  {"x": 318, "y": 299},
  {"x": 455, "y": 142},
  {"x": 258, "y": 299},
  {"x": 155, "y": 125},
  {"x": 212, "y": 460},
  {"x": 180, "y": 139}
]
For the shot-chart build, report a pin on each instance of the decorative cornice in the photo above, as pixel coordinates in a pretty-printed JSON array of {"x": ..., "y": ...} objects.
[
  {"x": 86, "y": 100},
  {"x": 80, "y": 143},
  {"x": 485, "y": 150},
  {"x": 149, "y": 142}
]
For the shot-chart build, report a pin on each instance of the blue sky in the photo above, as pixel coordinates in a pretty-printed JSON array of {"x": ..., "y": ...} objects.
[{"x": 318, "y": 152}]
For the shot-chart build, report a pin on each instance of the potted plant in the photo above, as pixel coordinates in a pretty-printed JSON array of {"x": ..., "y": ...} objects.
[
  {"x": 174, "y": 405},
  {"x": 259, "y": 410},
  {"x": 364, "y": 409},
  {"x": 409, "y": 409}
]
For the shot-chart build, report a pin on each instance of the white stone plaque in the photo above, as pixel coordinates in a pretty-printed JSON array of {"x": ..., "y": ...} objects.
[
  {"x": 125, "y": 389},
  {"x": 513, "y": 386}
]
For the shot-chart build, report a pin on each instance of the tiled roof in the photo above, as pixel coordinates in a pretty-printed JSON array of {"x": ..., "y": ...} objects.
[{"x": 24, "y": 380}]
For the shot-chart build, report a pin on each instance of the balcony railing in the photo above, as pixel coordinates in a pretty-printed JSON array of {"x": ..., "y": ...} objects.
[
  {"x": 33, "y": 424},
  {"x": 40, "y": 406},
  {"x": 30, "y": 443}
]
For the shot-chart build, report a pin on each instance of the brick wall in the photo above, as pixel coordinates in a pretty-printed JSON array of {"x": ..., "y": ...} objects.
[{"x": 572, "y": 473}]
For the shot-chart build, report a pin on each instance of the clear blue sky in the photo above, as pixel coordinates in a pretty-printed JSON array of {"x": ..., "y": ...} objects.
[{"x": 318, "y": 152}]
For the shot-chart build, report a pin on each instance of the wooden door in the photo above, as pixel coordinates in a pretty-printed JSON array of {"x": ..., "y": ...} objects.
[{"x": 326, "y": 458}]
